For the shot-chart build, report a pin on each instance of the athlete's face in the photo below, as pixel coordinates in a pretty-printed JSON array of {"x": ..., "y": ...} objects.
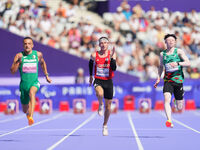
[
  {"x": 170, "y": 42},
  {"x": 28, "y": 45},
  {"x": 103, "y": 44}
]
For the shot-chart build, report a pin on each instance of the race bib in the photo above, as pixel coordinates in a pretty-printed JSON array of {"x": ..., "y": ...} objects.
[
  {"x": 29, "y": 68},
  {"x": 169, "y": 68},
  {"x": 102, "y": 72}
]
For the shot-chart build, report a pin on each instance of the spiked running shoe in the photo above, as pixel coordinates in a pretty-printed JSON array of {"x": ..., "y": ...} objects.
[
  {"x": 169, "y": 124},
  {"x": 30, "y": 120},
  {"x": 105, "y": 131}
]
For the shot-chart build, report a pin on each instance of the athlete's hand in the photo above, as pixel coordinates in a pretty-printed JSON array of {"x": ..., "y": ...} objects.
[
  {"x": 19, "y": 58},
  {"x": 157, "y": 82},
  {"x": 91, "y": 80},
  {"x": 48, "y": 79}
]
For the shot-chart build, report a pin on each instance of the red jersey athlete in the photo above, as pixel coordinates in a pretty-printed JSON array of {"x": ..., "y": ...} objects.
[{"x": 105, "y": 64}]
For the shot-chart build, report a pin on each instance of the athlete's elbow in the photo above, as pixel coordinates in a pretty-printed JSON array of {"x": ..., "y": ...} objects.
[
  {"x": 114, "y": 68},
  {"x": 12, "y": 70}
]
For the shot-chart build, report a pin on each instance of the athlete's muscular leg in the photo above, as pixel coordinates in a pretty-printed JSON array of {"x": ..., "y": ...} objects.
[
  {"x": 168, "y": 96},
  {"x": 32, "y": 94},
  {"x": 107, "y": 111},
  {"x": 99, "y": 94}
]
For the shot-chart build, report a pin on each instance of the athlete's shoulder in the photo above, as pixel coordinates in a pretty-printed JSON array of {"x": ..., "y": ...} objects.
[
  {"x": 39, "y": 53},
  {"x": 93, "y": 55}
]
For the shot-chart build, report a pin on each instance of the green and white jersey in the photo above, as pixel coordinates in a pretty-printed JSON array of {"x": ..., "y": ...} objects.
[
  {"x": 172, "y": 74},
  {"x": 29, "y": 69}
]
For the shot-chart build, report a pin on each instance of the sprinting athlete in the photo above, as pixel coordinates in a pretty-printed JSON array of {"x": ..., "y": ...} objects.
[
  {"x": 105, "y": 64},
  {"x": 173, "y": 60},
  {"x": 27, "y": 63}
]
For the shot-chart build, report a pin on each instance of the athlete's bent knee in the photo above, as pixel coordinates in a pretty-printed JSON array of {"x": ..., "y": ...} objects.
[
  {"x": 25, "y": 110},
  {"x": 99, "y": 94}
]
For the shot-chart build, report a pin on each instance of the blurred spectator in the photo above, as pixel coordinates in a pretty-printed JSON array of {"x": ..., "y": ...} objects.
[
  {"x": 6, "y": 7},
  {"x": 61, "y": 11},
  {"x": 195, "y": 74},
  {"x": 137, "y": 10},
  {"x": 42, "y": 3},
  {"x": 118, "y": 18},
  {"x": 127, "y": 12},
  {"x": 80, "y": 78},
  {"x": 138, "y": 42},
  {"x": 74, "y": 37}
]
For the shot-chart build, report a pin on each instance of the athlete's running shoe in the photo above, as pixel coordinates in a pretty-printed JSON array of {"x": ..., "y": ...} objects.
[
  {"x": 105, "y": 131},
  {"x": 101, "y": 110},
  {"x": 169, "y": 124},
  {"x": 30, "y": 120}
]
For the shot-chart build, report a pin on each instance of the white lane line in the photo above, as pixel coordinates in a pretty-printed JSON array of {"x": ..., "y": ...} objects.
[
  {"x": 94, "y": 129},
  {"x": 186, "y": 126},
  {"x": 140, "y": 147},
  {"x": 81, "y": 125},
  {"x": 43, "y": 121},
  {"x": 12, "y": 119},
  {"x": 182, "y": 124}
]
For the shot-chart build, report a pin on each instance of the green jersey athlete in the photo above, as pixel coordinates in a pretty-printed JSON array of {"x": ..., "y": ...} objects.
[
  {"x": 27, "y": 63},
  {"x": 173, "y": 60}
]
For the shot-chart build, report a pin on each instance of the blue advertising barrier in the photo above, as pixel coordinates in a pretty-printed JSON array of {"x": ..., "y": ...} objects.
[{"x": 69, "y": 92}]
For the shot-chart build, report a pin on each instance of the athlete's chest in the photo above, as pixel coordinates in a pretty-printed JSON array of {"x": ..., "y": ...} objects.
[{"x": 29, "y": 64}]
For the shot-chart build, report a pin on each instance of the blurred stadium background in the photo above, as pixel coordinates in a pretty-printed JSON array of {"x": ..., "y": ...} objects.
[{"x": 66, "y": 31}]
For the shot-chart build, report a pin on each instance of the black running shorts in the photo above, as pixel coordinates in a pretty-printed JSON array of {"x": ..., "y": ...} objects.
[
  {"x": 176, "y": 88},
  {"x": 107, "y": 86}
]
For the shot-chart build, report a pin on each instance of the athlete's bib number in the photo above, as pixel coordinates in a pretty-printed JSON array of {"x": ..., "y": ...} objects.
[
  {"x": 169, "y": 68},
  {"x": 29, "y": 68},
  {"x": 102, "y": 72}
]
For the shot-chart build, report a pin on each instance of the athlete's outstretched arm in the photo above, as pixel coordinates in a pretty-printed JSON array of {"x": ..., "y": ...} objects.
[
  {"x": 160, "y": 70},
  {"x": 16, "y": 63},
  {"x": 186, "y": 61},
  {"x": 113, "y": 60},
  {"x": 44, "y": 66}
]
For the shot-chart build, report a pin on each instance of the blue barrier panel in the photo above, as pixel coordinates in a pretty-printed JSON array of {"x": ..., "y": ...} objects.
[{"x": 70, "y": 92}]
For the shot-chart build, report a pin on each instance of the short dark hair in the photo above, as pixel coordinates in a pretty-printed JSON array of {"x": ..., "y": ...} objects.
[
  {"x": 28, "y": 37},
  {"x": 168, "y": 35},
  {"x": 103, "y": 37}
]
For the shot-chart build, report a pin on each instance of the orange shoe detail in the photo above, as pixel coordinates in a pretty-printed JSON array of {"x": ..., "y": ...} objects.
[{"x": 30, "y": 120}]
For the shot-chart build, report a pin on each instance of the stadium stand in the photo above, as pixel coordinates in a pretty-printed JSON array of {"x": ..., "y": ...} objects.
[{"x": 137, "y": 34}]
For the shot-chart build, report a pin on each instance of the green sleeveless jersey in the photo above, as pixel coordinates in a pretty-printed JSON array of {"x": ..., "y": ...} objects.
[
  {"x": 172, "y": 74},
  {"x": 29, "y": 68}
]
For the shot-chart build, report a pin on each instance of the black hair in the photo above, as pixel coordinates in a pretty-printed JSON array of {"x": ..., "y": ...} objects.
[
  {"x": 168, "y": 35},
  {"x": 103, "y": 37},
  {"x": 28, "y": 37}
]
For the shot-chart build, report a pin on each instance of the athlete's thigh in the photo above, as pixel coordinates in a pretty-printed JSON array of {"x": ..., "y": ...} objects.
[
  {"x": 168, "y": 88},
  {"x": 98, "y": 85},
  {"x": 178, "y": 91},
  {"x": 99, "y": 90},
  {"x": 33, "y": 90},
  {"x": 108, "y": 89},
  {"x": 167, "y": 91},
  {"x": 24, "y": 97}
]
